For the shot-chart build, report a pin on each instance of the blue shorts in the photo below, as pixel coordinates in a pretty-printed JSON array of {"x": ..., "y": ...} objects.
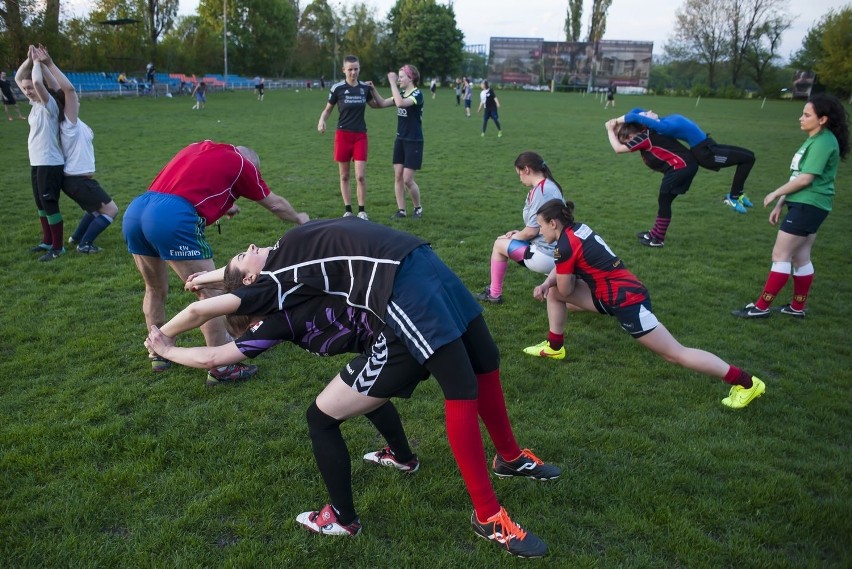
[
  {"x": 635, "y": 319},
  {"x": 165, "y": 226},
  {"x": 430, "y": 306},
  {"x": 802, "y": 219},
  {"x": 409, "y": 153}
]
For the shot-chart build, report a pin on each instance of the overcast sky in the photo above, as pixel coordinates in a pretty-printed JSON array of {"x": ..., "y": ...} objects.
[{"x": 642, "y": 20}]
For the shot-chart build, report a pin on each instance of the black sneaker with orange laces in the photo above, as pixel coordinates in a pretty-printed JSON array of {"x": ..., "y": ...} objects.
[
  {"x": 514, "y": 538},
  {"x": 527, "y": 465}
]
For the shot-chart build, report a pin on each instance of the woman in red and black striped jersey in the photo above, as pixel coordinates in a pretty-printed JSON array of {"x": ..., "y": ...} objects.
[
  {"x": 663, "y": 154},
  {"x": 590, "y": 277}
]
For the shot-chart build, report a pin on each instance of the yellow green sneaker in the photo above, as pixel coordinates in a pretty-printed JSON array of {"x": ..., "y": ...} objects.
[
  {"x": 739, "y": 396},
  {"x": 543, "y": 350}
]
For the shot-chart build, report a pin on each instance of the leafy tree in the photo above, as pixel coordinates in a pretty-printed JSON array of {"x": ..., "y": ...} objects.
[
  {"x": 574, "y": 20},
  {"x": 834, "y": 68},
  {"x": 701, "y": 34},
  {"x": 597, "y": 26},
  {"x": 425, "y": 33},
  {"x": 746, "y": 20},
  {"x": 315, "y": 42},
  {"x": 193, "y": 47},
  {"x": 362, "y": 38},
  {"x": 159, "y": 18},
  {"x": 763, "y": 49},
  {"x": 25, "y": 22},
  {"x": 261, "y": 33}
]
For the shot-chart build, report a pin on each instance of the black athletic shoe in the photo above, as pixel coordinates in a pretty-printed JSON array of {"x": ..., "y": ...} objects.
[
  {"x": 527, "y": 465},
  {"x": 790, "y": 311},
  {"x": 751, "y": 311},
  {"x": 485, "y": 296},
  {"x": 646, "y": 239},
  {"x": 514, "y": 538}
]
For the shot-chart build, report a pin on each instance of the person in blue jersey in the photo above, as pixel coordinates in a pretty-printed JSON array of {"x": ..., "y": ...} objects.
[
  {"x": 408, "y": 146},
  {"x": 706, "y": 151},
  {"x": 351, "y": 97}
]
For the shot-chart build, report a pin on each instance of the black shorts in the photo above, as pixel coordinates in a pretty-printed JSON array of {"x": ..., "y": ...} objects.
[
  {"x": 635, "y": 319},
  {"x": 802, "y": 219},
  {"x": 409, "y": 153},
  {"x": 86, "y": 191},
  {"x": 388, "y": 370},
  {"x": 677, "y": 182}
]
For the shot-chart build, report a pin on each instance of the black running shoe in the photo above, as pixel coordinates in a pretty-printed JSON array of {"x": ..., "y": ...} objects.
[
  {"x": 527, "y": 465},
  {"x": 514, "y": 538}
]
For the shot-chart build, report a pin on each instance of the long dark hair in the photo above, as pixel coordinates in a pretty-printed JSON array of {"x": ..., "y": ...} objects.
[
  {"x": 838, "y": 119},
  {"x": 561, "y": 212},
  {"x": 59, "y": 96},
  {"x": 537, "y": 164}
]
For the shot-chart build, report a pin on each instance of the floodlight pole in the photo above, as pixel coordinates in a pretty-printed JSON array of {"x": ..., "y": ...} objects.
[{"x": 225, "y": 41}]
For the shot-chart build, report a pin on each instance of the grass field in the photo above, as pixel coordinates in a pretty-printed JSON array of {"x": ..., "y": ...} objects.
[{"x": 104, "y": 464}]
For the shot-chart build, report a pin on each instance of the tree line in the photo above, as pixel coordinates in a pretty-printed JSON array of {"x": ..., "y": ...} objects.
[{"x": 274, "y": 38}]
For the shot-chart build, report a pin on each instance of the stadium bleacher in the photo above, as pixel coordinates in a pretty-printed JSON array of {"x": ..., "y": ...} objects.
[{"x": 107, "y": 83}]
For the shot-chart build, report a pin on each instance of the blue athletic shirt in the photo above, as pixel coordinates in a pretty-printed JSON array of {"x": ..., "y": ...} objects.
[{"x": 675, "y": 126}]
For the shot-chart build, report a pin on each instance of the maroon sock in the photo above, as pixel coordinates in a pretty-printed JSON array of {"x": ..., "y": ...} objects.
[
  {"x": 466, "y": 443},
  {"x": 56, "y": 235},
  {"x": 492, "y": 409},
  {"x": 556, "y": 341},
  {"x": 45, "y": 230},
  {"x": 736, "y": 376}
]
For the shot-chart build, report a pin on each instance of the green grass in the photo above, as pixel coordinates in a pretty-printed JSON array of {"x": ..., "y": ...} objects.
[{"x": 104, "y": 464}]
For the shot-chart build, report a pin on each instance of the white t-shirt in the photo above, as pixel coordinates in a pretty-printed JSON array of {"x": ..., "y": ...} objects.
[
  {"x": 43, "y": 140},
  {"x": 76, "y": 139}
]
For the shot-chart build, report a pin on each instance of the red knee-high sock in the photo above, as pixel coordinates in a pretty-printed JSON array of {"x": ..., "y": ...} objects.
[
  {"x": 492, "y": 409},
  {"x": 778, "y": 277},
  {"x": 466, "y": 444},
  {"x": 803, "y": 277}
]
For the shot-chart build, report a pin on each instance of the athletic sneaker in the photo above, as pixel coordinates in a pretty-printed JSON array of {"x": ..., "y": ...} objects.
[
  {"x": 499, "y": 134},
  {"x": 159, "y": 364},
  {"x": 789, "y": 310},
  {"x": 348, "y": 214},
  {"x": 646, "y": 239},
  {"x": 51, "y": 255},
  {"x": 418, "y": 212},
  {"x": 232, "y": 373},
  {"x": 514, "y": 538},
  {"x": 527, "y": 465},
  {"x": 543, "y": 350},
  {"x": 362, "y": 215},
  {"x": 485, "y": 296},
  {"x": 735, "y": 204},
  {"x": 739, "y": 396},
  {"x": 72, "y": 241},
  {"x": 400, "y": 214},
  {"x": 751, "y": 311},
  {"x": 325, "y": 522},
  {"x": 385, "y": 457},
  {"x": 745, "y": 201},
  {"x": 40, "y": 248},
  {"x": 88, "y": 248}
]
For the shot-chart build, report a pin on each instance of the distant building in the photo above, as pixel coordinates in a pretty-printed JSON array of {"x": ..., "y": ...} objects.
[{"x": 535, "y": 61}]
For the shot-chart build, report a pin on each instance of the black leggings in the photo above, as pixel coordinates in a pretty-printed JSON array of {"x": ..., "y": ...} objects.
[
  {"x": 717, "y": 156},
  {"x": 456, "y": 365}
]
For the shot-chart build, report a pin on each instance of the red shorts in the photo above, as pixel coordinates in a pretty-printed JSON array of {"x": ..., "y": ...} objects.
[{"x": 350, "y": 145}]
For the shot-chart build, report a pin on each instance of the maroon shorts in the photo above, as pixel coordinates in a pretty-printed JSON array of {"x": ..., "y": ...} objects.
[{"x": 349, "y": 146}]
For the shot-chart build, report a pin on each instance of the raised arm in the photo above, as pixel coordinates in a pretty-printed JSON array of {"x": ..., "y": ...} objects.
[
  {"x": 616, "y": 144},
  {"x": 58, "y": 81},
  {"x": 25, "y": 70}
]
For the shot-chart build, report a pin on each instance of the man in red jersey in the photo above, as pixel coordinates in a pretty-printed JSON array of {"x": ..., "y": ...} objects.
[{"x": 164, "y": 227}]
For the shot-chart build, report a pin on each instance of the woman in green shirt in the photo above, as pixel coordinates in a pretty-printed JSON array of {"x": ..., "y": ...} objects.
[{"x": 809, "y": 194}]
